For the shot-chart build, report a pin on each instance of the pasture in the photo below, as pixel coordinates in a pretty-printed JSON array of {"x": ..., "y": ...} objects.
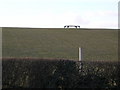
[
  {"x": 60, "y": 43},
  {"x": 48, "y": 58}
]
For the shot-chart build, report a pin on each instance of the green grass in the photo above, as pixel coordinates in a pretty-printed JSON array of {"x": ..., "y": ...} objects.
[{"x": 60, "y": 43}]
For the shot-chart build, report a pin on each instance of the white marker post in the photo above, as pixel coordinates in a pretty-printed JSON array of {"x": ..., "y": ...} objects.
[
  {"x": 80, "y": 54},
  {"x": 80, "y": 59}
]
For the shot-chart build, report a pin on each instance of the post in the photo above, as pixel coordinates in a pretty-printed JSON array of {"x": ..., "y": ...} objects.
[
  {"x": 0, "y": 58},
  {"x": 80, "y": 59},
  {"x": 80, "y": 54}
]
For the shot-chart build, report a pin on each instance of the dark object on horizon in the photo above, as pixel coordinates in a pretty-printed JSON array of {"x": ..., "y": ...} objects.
[{"x": 67, "y": 26}]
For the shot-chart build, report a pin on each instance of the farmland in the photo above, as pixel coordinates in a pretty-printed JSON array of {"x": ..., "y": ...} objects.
[
  {"x": 60, "y": 43},
  {"x": 48, "y": 58}
]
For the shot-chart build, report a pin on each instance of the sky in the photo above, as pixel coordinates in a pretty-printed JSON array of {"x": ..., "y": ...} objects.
[{"x": 58, "y": 13}]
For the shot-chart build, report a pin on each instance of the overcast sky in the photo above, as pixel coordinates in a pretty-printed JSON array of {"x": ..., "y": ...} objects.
[{"x": 57, "y": 13}]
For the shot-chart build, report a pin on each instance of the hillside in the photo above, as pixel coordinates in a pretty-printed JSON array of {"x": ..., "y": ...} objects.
[{"x": 60, "y": 43}]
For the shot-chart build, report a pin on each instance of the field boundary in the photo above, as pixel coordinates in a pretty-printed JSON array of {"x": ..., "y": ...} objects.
[
  {"x": 21, "y": 73},
  {"x": 55, "y": 59},
  {"x": 60, "y": 28}
]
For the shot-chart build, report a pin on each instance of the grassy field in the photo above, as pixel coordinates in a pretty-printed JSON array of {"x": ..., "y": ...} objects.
[{"x": 60, "y": 43}]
